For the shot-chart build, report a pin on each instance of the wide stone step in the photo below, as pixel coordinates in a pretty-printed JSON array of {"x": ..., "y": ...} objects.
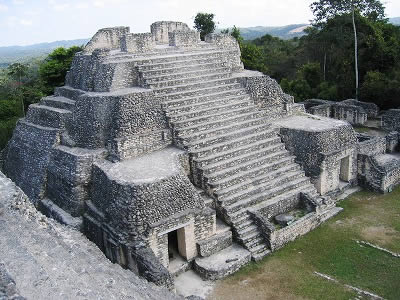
[
  {"x": 217, "y": 88},
  {"x": 241, "y": 189},
  {"x": 48, "y": 116},
  {"x": 206, "y": 104},
  {"x": 68, "y": 92},
  {"x": 221, "y": 138},
  {"x": 186, "y": 103},
  {"x": 247, "y": 156},
  {"x": 154, "y": 74},
  {"x": 218, "y": 115},
  {"x": 184, "y": 80},
  {"x": 201, "y": 84},
  {"x": 168, "y": 79},
  {"x": 252, "y": 239},
  {"x": 230, "y": 145},
  {"x": 58, "y": 102},
  {"x": 224, "y": 130},
  {"x": 179, "y": 57},
  {"x": 235, "y": 170},
  {"x": 202, "y": 162},
  {"x": 169, "y": 64},
  {"x": 251, "y": 196},
  {"x": 174, "y": 117},
  {"x": 248, "y": 174}
]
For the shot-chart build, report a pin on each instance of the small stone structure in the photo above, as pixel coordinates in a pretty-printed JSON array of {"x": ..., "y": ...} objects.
[
  {"x": 353, "y": 111},
  {"x": 168, "y": 155}
]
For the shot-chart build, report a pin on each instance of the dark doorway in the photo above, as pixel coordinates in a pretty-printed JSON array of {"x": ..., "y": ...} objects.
[{"x": 173, "y": 245}]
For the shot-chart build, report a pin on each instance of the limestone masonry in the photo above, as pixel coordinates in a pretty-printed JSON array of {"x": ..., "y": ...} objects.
[{"x": 168, "y": 155}]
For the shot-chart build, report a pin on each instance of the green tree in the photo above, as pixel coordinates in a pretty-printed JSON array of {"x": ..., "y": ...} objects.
[
  {"x": 204, "y": 23},
  {"x": 326, "y": 9},
  {"x": 54, "y": 69},
  {"x": 18, "y": 71}
]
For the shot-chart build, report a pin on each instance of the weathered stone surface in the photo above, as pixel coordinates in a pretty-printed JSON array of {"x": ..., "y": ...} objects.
[
  {"x": 223, "y": 263},
  {"x": 215, "y": 244},
  {"x": 284, "y": 219},
  {"x": 47, "y": 260}
]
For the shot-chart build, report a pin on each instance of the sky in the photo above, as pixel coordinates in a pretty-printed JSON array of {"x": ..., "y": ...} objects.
[{"x": 24, "y": 22}]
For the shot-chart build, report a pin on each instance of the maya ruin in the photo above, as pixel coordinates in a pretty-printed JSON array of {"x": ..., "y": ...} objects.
[{"x": 168, "y": 155}]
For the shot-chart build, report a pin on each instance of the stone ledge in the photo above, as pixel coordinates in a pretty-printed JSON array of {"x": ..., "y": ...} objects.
[
  {"x": 223, "y": 263},
  {"x": 214, "y": 244}
]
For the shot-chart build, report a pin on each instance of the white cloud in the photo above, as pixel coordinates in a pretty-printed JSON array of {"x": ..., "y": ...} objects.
[
  {"x": 99, "y": 3},
  {"x": 82, "y": 5},
  {"x": 18, "y": 2},
  {"x": 3, "y": 7},
  {"x": 25, "y": 22},
  {"x": 61, "y": 6}
]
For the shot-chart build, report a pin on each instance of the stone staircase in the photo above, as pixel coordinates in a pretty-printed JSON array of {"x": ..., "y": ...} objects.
[
  {"x": 236, "y": 156},
  {"x": 51, "y": 111}
]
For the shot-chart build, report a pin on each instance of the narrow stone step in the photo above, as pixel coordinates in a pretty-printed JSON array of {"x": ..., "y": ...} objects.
[
  {"x": 152, "y": 74},
  {"x": 226, "y": 146},
  {"x": 219, "y": 123},
  {"x": 194, "y": 113},
  {"x": 247, "y": 230},
  {"x": 217, "y": 88},
  {"x": 167, "y": 78},
  {"x": 186, "y": 103},
  {"x": 267, "y": 196},
  {"x": 222, "y": 130},
  {"x": 245, "y": 175},
  {"x": 199, "y": 85},
  {"x": 48, "y": 116},
  {"x": 232, "y": 172},
  {"x": 202, "y": 162},
  {"x": 218, "y": 115},
  {"x": 247, "y": 156},
  {"x": 224, "y": 137},
  {"x": 58, "y": 102},
  {"x": 260, "y": 255},
  {"x": 261, "y": 183}
]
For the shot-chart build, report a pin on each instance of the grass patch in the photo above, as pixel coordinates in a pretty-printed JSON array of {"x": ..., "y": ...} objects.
[{"x": 330, "y": 249}]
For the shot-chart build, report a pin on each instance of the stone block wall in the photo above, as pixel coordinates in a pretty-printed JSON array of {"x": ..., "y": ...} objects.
[
  {"x": 189, "y": 38},
  {"x": 69, "y": 176},
  {"x": 267, "y": 94},
  {"x": 137, "y": 42},
  {"x": 327, "y": 156},
  {"x": 227, "y": 42},
  {"x": 355, "y": 115},
  {"x": 106, "y": 38},
  {"x": 160, "y": 30},
  {"x": 392, "y": 142},
  {"x": 126, "y": 124},
  {"x": 391, "y": 120},
  {"x": 323, "y": 110},
  {"x": 28, "y": 155},
  {"x": 371, "y": 108}
]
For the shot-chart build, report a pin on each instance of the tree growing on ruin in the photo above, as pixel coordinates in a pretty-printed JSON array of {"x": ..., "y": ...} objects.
[
  {"x": 204, "y": 23},
  {"x": 324, "y": 10}
]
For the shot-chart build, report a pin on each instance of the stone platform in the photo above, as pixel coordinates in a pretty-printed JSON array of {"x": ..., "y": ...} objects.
[{"x": 223, "y": 263}]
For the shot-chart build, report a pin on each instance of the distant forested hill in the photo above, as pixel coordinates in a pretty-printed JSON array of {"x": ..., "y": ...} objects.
[
  {"x": 283, "y": 32},
  {"x": 11, "y": 54},
  {"x": 395, "y": 21}
]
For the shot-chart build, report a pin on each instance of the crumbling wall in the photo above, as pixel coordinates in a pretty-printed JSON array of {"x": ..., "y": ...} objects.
[
  {"x": 391, "y": 120},
  {"x": 189, "y": 38},
  {"x": 106, "y": 38},
  {"x": 137, "y": 42},
  {"x": 161, "y": 29}
]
